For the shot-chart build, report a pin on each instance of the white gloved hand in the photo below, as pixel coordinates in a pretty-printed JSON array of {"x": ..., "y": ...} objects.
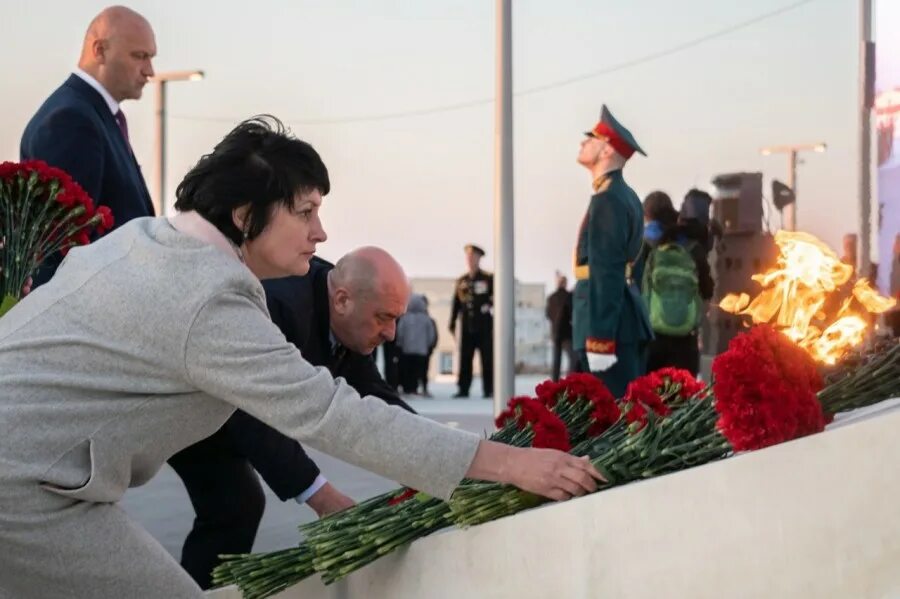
[{"x": 601, "y": 362}]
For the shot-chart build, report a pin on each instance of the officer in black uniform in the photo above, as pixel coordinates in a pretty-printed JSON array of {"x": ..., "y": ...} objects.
[{"x": 473, "y": 301}]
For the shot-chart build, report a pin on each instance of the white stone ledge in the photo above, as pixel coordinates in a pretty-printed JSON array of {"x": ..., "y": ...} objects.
[{"x": 815, "y": 518}]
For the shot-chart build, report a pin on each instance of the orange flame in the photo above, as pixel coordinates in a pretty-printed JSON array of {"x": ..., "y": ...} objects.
[{"x": 795, "y": 292}]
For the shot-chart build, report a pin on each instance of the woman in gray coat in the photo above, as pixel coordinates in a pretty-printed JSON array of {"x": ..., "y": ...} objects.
[{"x": 147, "y": 340}]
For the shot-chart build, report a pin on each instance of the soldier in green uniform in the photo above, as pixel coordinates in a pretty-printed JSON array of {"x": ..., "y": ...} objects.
[
  {"x": 611, "y": 327},
  {"x": 473, "y": 300}
]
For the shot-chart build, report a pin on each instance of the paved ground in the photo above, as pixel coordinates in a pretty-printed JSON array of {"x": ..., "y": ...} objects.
[{"x": 162, "y": 505}]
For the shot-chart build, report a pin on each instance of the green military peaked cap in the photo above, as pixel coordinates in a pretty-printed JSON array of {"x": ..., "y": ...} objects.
[{"x": 616, "y": 134}]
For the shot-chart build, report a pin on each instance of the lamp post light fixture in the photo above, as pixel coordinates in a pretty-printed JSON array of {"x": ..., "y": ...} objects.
[
  {"x": 789, "y": 214},
  {"x": 161, "y": 79}
]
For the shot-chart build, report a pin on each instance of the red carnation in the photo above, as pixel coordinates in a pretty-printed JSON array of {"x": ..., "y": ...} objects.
[
  {"x": 549, "y": 392},
  {"x": 518, "y": 409},
  {"x": 8, "y": 169},
  {"x": 106, "y": 220},
  {"x": 680, "y": 381},
  {"x": 82, "y": 237},
  {"x": 549, "y": 430},
  {"x": 641, "y": 396},
  {"x": 582, "y": 384},
  {"x": 765, "y": 388},
  {"x": 603, "y": 416},
  {"x": 406, "y": 495}
]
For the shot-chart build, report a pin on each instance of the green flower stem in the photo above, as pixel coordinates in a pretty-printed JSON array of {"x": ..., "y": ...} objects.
[
  {"x": 875, "y": 381},
  {"x": 31, "y": 231},
  {"x": 263, "y": 575}
]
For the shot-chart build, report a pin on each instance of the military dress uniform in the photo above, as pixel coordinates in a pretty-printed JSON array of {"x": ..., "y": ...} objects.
[
  {"x": 609, "y": 315},
  {"x": 473, "y": 303}
]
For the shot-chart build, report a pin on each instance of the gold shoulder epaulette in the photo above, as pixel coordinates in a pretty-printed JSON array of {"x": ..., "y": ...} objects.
[{"x": 601, "y": 183}]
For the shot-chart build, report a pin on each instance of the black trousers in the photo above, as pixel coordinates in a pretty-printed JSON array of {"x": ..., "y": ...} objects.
[
  {"x": 415, "y": 371},
  {"x": 228, "y": 502},
  {"x": 677, "y": 352},
  {"x": 219, "y": 473},
  {"x": 482, "y": 340},
  {"x": 560, "y": 346}
]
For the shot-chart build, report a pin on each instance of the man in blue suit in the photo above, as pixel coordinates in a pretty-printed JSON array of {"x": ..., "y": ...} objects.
[
  {"x": 81, "y": 128},
  {"x": 611, "y": 327}
]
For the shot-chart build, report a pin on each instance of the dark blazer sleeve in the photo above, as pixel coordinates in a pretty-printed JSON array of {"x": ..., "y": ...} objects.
[
  {"x": 71, "y": 141},
  {"x": 362, "y": 374},
  {"x": 280, "y": 460}
]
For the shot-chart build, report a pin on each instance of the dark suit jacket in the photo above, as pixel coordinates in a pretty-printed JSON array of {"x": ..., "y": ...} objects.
[
  {"x": 559, "y": 313},
  {"x": 299, "y": 306},
  {"x": 74, "y": 130}
]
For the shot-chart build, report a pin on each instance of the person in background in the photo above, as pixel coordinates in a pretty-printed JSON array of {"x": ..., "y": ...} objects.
[
  {"x": 675, "y": 282},
  {"x": 416, "y": 335},
  {"x": 473, "y": 304},
  {"x": 559, "y": 313},
  {"x": 81, "y": 128},
  {"x": 694, "y": 217}
]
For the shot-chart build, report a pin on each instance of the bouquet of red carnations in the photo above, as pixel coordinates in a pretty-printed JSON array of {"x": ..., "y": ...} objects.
[{"x": 42, "y": 211}]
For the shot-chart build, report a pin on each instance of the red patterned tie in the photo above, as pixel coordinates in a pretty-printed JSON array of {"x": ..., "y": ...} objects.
[{"x": 123, "y": 127}]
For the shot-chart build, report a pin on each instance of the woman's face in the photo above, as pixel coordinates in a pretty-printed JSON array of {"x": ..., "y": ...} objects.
[{"x": 288, "y": 242}]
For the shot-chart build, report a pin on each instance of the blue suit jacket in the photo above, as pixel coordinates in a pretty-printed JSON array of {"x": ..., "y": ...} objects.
[{"x": 74, "y": 130}]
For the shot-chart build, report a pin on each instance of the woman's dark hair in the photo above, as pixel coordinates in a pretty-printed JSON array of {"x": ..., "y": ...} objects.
[
  {"x": 658, "y": 207},
  {"x": 259, "y": 164}
]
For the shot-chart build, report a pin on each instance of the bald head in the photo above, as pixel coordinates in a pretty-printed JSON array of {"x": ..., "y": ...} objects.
[
  {"x": 370, "y": 270},
  {"x": 368, "y": 291},
  {"x": 117, "y": 51}
]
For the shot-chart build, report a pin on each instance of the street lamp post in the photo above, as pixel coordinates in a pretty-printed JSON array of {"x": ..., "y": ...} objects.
[
  {"x": 160, "y": 79},
  {"x": 866, "y": 101},
  {"x": 504, "y": 231},
  {"x": 789, "y": 214}
]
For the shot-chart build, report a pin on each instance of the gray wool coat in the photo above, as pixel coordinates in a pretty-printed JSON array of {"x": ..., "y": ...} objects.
[{"x": 142, "y": 344}]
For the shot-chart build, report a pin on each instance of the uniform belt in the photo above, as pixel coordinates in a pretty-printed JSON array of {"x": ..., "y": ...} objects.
[{"x": 583, "y": 272}]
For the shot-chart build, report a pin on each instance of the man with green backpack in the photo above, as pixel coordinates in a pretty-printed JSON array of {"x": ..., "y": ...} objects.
[{"x": 675, "y": 283}]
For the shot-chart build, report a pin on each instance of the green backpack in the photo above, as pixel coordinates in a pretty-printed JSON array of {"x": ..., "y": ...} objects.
[{"x": 671, "y": 290}]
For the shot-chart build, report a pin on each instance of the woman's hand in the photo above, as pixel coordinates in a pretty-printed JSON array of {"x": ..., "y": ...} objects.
[
  {"x": 546, "y": 472},
  {"x": 553, "y": 474}
]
